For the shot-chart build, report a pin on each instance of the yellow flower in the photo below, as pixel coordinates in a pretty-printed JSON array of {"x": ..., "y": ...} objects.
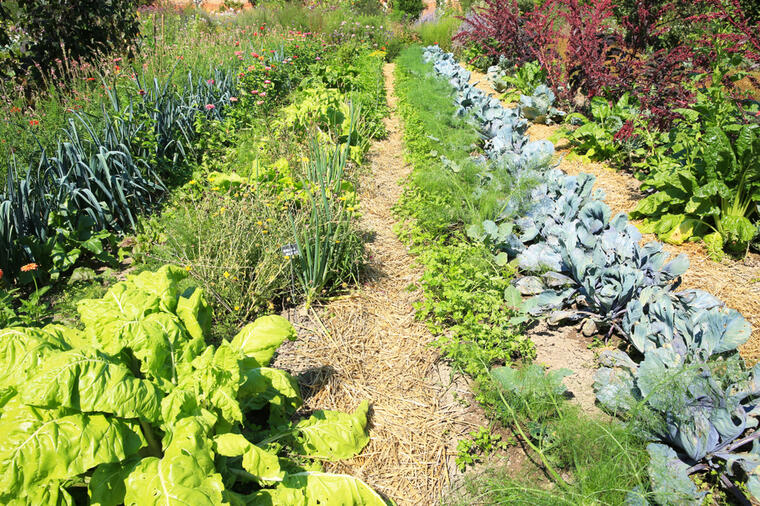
[
  {"x": 259, "y": 223},
  {"x": 237, "y": 308},
  {"x": 226, "y": 274},
  {"x": 264, "y": 231},
  {"x": 222, "y": 209},
  {"x": 192, "y": 181},
  {"x": 188, "y": 267}
]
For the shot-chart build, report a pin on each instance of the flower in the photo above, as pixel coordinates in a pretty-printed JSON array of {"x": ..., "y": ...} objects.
[
  {"x": 188, "y": 267},
  {"x": 210, "y": 81},
  {"x": 210, "y": 106},
  {"x": 233, "y": 99},
  {"x": 263, "y": 94},
  {"x": 237, "y": 308},
  {"x": 29, "y": 267},
  {"x": 226, "y": 274},
  {"x": 34, "y": 122},
  {"x": 1, "y": 274},
  {"x": 259, "y": 102}
]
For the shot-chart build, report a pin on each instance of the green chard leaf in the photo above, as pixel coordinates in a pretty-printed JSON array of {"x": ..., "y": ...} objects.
[
  {"x": 40, "y": 445},
  {"x": 258, "y": 341},
  {"x": 263, "y": 465},
  {"x": 323, "y": 489},
  {"x": 268, "y": 386},
  {"x": 88, "y": 382},
  {"x": 185, "y": 475},
  {"x": 332, "y": 435}
]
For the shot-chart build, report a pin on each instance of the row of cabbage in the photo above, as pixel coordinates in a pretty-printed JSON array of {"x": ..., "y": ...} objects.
[{"x": 684, "y": 381}]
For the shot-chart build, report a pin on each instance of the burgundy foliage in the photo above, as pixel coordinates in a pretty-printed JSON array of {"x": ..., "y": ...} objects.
[
  {"x": 591, "y": 44},
  {"x": 658, "y": 83},
  {"x": 591, "y": 54},
  {"x": 496, "y": 26}
]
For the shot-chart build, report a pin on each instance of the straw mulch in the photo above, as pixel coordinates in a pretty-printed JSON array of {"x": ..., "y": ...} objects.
[{"x": 368, "y": 345}]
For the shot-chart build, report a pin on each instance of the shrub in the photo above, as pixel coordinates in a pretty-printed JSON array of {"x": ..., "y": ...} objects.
[
  {"x": 410, "y": 8},
  {"x": 65, "y": 30},
  {"x": 496, "y": 26},
  {"x": 230, "y": 242}
]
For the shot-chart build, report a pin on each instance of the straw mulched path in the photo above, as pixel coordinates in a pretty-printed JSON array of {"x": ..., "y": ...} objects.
[
  {"x": 368, "y": 345},
  {"x": 737, "y": 282}
]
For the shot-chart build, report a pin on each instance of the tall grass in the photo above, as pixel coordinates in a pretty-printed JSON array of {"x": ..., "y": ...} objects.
[{"x": 439, "y": 31}]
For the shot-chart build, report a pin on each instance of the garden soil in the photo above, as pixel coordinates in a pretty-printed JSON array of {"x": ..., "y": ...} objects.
[
  {"x": 736, "y": 282},
  {"x": 368, "y": 345}
]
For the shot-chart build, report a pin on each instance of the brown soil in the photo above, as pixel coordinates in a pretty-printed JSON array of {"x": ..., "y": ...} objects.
[{"x": 368, "y": 345}]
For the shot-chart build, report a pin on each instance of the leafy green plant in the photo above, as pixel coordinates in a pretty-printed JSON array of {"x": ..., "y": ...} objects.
[
  {"x": 481, "y": 442},
  {"x": 138, "y": 409},
  {"x": 717, "y": 190},
  {"x": 468, "y": 303},
  {"x": 596, "y": 137},
  {"x": 516, "y": 81}
]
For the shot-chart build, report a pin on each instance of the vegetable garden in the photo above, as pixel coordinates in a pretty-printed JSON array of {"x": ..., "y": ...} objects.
[{"x": 505, "y": 253}]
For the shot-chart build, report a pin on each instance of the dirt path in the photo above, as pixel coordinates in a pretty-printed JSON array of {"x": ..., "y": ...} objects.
[
  {"x": 737, "y": 282},
  {"x": 368, "y": 345}
]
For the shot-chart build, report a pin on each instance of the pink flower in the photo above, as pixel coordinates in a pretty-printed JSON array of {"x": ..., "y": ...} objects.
[
  {"x": 210, "y": 81},
  {"x": 233, "y": 99},
  {"x": 210, "y": 107},
  {"x": 254, "y": 92},
  {"x": 267, "y": 81},
  {"x": 259, "y": 102},
  {"x": 263, "y": 94},
  {"x": 318, "y": 58}
]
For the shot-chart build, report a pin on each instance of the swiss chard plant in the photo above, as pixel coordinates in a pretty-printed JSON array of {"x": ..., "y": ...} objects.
[
  {"x": 136, "y": 408},
  {"x": 713, "y": 192}
]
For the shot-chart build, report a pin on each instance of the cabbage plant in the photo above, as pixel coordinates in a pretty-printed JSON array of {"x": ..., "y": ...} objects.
[{"x": 136, "y": 408}]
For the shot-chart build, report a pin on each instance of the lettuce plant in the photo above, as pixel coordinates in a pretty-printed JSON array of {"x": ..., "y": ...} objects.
[{"x": 138, "y": 409}]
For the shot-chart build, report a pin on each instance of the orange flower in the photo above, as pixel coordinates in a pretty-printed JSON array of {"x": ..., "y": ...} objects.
[
  {"x": 29, "y": 267},
  {"x": 34, "y": 122}
]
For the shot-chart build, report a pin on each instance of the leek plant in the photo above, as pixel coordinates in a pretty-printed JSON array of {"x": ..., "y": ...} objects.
[{"x": 328, "y": 246}]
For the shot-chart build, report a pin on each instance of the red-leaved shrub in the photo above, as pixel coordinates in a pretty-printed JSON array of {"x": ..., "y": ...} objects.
[{"x": 496, "y": 26}]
